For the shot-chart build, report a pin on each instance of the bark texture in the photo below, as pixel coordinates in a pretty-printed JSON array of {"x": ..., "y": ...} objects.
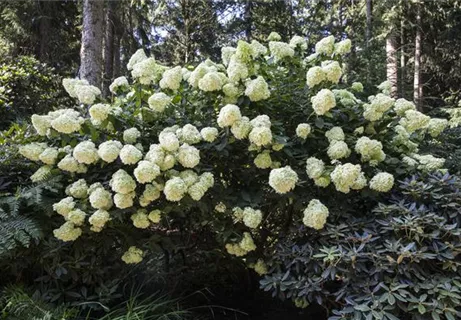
[
  {"x": 391, "y": 63},
  {"x": 417, "y": 86},
  {"x": 92, "y": 36}
]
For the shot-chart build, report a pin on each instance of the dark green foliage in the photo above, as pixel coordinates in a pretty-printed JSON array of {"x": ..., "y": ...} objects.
[
  {"x": 22, "y": 215},
  {"x": 399, "y": 262},
  {"x": 27, "y": 87}
]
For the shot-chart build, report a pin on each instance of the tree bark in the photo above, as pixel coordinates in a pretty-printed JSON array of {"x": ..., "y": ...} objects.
[
  {"x": 402, "y": 59},
  {"x": 44, "y": 30},
  {"x": 108, "y": 48},
  {"x": 92, "y": 35},
  {"x": 369, "y": 29},
  {"x": 248, "y": 20},
  {"x": 391, "y": 60},
  {"x": 417, "y": 87}
]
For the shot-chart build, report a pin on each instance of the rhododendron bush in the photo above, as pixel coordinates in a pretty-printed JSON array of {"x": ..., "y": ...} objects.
[{"x": 267, "y": 139}]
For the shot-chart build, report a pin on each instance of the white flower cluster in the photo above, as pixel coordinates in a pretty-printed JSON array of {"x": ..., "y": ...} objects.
[
  {"x": 343, "y": 47},
  {"x": 257, "y": 89},
  {"x": 402, "y": 105},
  {"x": 228, "y": 115},
  {"x": 435, "y": 127},
  {"x": 348, "y": 176},
  {"x": 283, "y": 180},
  {"x": 140, "y": 219},
  {"x": 357, "y": 87},
  {"x": 298, "y": 42},
  {"x": 188, "y": 183},
  {"x": 32, "y": 151},
  {"x": 243, "y": 247},
  {"x": 64, "y": 206},
  {"x": 252, "y": 218},
  {"x": 414, "y": 120},
  {"x": 109, "y": 150},
  {"x": 122, "y": 182},
  {"x": 382, "y": 182},
  {"x": 338, "y": 150},
  {"x": 131, "y": 135},
  {"x": 209, "y": 134},
  {"x": 120, "y": 82},
  {"x": 101, "y": 199},
  {"x": 81, "y": 90},
  {"x": 171, "y": 79},
  {"x": 188, "y": 156},
  {"x": 98, "y": 220},
  {"x": 428, "y": 163},
  {"x": 377, "y": 107},
  {"x": 335, "y": 134},
  {"x": 315, "y": 215},
  {"x": 78, "y": 189},
  {"x": 63, "y": 121},
  {"x": 189, "y": 134},
  {"x": 325, "y": 46},
  {"x": 263, "y": 160},
  {"x": 146, "y": 171},
  {"x": 147, "y": 71},
  {"x": 280, "y": 50},
  {"x": 323, "y": 101},
  {"x": 129, "y": 154},
  {"x": 303, "y": 130},
  {"x": 332, "y": 70},
  {"x": 370, "y": 150},
  {"x": 99, "y": 112},
  {"x": 86, "y": 152},
  {"x": 67, "y": 232},
  {"x": 70, "y": 164},
  {"x": 159, "y": 101},
  {"x": 133, "y": 255}
]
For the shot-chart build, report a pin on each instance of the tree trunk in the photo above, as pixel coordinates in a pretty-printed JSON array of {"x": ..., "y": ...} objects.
[
  {"x": 417, "y": 87},
  {"x": 248, "y": 20},
  {"x": 108, "y": 48},
  {"x": 391, "y": 60},
  {"x": 402, "y": 59},
  {"x": 44, "y": 30},
  {"x": 369, "y": 29},
  {"x": 92, "y": 35}
]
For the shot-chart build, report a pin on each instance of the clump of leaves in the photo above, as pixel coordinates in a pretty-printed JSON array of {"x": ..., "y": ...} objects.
[{"x": 399, "y": 262}]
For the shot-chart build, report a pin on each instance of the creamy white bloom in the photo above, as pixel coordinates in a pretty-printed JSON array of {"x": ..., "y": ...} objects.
[
  {"x": 402, "y": 105},
  {"x": 263, "y": 160},
  {"x": 414, "y": 120},
  {"x": 70, "y": 164},
  {"x": 314, "y": 76},
  {"x": 109, "y": 150},
  {"x": 123, "y": 201},
  {"x": 171, "y": 78},
  {"x": 335, "y": 133},
  {"x": 67, "y": 232},
  {"x": 280, "y": 50},
  {"x": 261, "y": 121},
  {"x": 159, "y": 101},
  {"x": 323, "y": 101},
  {"x": 86, "y": 152},
  {"x": 175, "y": 189},
  {"x": 315, "y": 215},
  {"x": 197, "y": 190},
  {"x": 357, "y": 86},
  {"x": 132, "y": 256},
  {"x": 370, "y": 150},
  {"x": 429, "y": 163},
  {"x": 343, "y": 47},
  {"x": 298, "y": 41},
  {"x": 146, "y": 171},
  {"x": 257, "y": 89},
  {"x": 332, "y": 70},
  {"x": 325, "y": 46},
  {"x": 210, "y": 82},
  {"x": 129, "y": 154},
  {"x": 274, "y": 36},
  {"x": 241, "y": 128},
  {"x": 156, "y": 154},
  {"x": 189, "y": 177},
  {"x": 32, "y": 151},
  {"x": 228, "y": 115},
  {"x": 66, "y": 120},
  {"x": 314, "y": 167},
  {"x": 257, "y": 49},
  {"x": 435, "y": 127},
  {"x": 76, "y": 216},
  {"x": 382, "y": 182},
  {"x": 220, "y": 207},
  {"x": 168, "y": 162},
  {"x": 247, "y": 243},
  {"x": 378, "y": 106},
  {"x": 87, "y": 94},
  {"x": 209, "y": 134},
  {"x": 345, "y": 176},
  {"x": 99, "y": 219},
  {"x": 64, "y": 206},
  {"x": 155, "y": 216},
  {"x": 237, "y": 70},
  {"x": 323, "y": 181},
  {"x": 338, "y": 150},
  {"x": 122, "y": 182},
  {"x": 303, "y": 130},
  {"x": 252, "y": 218},
  {"x": 140, "y": 219},
  {"x": 41, "y": 123},
  {"x": 99, "y": 111},
  {"x": 226, "y": 54},
  {"x": 260, "y": 136},
  {"x": 137, "y": 57},
  {"x": 260, "y": 267},
  {"x": 70, "y": 85},
  {"x": 199, "y": 72},
  {"x": 78, "y": 189},
  {"x": 168, "y": 141},
  {"x": 148, "y": 71},
  {"x": 283, "y": 180},
  {"x": 119, "y": 82},
  {"x": 101, "y": 199},
  {"x": 188, "y": 156},
  {"x": 131, "y": 135},
  {"x": 189, "y": 134}
]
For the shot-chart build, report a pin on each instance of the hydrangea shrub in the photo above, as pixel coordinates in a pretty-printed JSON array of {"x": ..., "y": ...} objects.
[{"x": 249, "y": 147}]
